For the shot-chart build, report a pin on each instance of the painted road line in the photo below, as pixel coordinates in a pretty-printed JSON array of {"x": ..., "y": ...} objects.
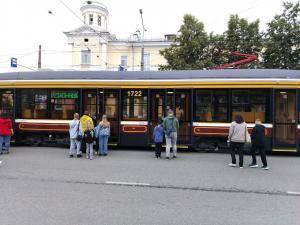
[
  {"x": 126, "y": 183},
  {"x": 293, "y": 193}
]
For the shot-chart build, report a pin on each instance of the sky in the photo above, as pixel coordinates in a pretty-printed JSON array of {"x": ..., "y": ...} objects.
[{"x": 26, "y": 24}]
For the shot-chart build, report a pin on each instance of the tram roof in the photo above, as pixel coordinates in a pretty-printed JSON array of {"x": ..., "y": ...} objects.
[{"x": 154, "y": 75}]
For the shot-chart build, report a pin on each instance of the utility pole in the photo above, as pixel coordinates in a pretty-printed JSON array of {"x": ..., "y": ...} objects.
[
  {"x": 40, "y": 58},
  {"x": 142, "y": 41}
]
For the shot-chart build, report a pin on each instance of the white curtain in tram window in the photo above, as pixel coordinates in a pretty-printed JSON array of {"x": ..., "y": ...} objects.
[
  {"x": 86, "y": 56},
  {"x": 146, "y": 61}
]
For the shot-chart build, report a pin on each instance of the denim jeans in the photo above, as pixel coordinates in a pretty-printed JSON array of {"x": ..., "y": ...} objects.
[
  {"x": 6, "y": 141},
  {"x": 89, "y": 150},
  {"x": 75, "y": 147},
  {"x": 171, "y": 141},
  {"x": 103, "y": 140}
]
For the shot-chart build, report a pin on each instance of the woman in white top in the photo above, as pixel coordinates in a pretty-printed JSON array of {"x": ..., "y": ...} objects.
[{"x": 237, "y": 138}]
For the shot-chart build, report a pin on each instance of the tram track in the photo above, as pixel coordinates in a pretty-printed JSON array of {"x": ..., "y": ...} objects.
[{"x": 232, "y": 190}]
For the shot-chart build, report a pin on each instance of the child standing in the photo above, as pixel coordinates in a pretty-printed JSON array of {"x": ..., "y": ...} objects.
[
  {"x": 158, "y": 136},
  {"x": 89, "y": 140}
]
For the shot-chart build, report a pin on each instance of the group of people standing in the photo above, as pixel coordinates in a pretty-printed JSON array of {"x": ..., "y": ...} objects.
[
  {"x": 167, "y": 127},
  {"x": 239, "y": 137},
  {"x": 83, "y": 135}
]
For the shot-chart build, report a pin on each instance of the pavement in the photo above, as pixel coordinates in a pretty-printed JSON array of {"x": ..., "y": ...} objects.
[{"x": 44, "y": 186}]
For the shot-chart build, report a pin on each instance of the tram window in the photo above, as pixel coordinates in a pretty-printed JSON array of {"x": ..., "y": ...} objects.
[
  {"x": 111, "y": 105},
  {"x": 134, "y": 105},
  {"x": 34, "y": 104},
  {"x": 211, "y": 106},
  {"x": 63, "y": 104},
  {"x": 6, "y": 103},
  {"x": 251, "y": 104},
  {"x": 90, "y": 101},
  {"x": 182, "y": 100},
  {"x": 157, "y": 105}
]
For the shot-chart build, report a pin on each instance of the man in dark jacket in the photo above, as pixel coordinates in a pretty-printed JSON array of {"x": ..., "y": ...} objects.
[{"x": 258, "y": 143}]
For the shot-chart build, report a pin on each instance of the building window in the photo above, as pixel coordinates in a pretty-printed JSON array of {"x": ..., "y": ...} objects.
[
  {"x": 91, "y": 19},
  {"x": 34, "y": 104},
  {"x": 124, "y": 61},
  {"x": 211, "y": 106},
  {"x": 251, "y": 104},
  {"x": 135, "y": 105},
  {"x": 6, "y": 103},
  {"x": 64, "y": 104},
  {"x": 99, "y": 21},
  {"x": 86, "y": 57},
  {"x": 146, "y": 61}
]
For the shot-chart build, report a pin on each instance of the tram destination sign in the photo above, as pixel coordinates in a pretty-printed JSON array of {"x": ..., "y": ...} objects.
[{"x": 63, "y": 95}]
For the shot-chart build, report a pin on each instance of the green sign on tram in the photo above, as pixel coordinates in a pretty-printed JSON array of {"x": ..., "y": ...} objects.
[{"x": 63, "y": 95}]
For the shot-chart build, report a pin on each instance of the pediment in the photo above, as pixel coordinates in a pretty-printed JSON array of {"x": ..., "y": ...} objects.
[{"x": 85, "y": 29}]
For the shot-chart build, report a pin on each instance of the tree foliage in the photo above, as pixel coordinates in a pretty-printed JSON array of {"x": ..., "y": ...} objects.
[
  {"x": 190, "y": 49},
  {"x": 279, "y": 46},
  {"x": 282, "y": 39}
]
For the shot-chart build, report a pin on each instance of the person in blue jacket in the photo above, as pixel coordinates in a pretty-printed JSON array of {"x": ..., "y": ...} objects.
[{"x": 158, "y": 136}]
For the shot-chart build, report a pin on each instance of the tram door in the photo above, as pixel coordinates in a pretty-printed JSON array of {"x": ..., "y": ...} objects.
[
  {"x": 157, "y": 110},
  {"x": 7, "y": 102},
  {"x": 285, "y": 119},
  {"x": 182, "y": 111},
  {"x": 111, "y": 110},
  {"x": 180, "y": 102}
]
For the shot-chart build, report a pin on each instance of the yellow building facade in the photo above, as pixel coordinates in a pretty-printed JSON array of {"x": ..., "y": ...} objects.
[{"x": 95, "y": 48}]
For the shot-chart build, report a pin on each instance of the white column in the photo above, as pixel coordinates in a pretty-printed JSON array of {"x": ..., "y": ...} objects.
[{"x": 104, "y": 55}]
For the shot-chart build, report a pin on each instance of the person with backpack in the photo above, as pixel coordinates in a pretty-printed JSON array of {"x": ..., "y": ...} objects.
[
  {"x": 75, "y": 137},
  {"x": 6, "y": 131},
  {"x": 238, "y": 136},
  {"x": 171, "y": 126},
  {"x": 158, "y": 137},
  {"x": 88, "y": 137},
  {"x": 258, "y": 143},
  {"x": 83, "y": 122}
]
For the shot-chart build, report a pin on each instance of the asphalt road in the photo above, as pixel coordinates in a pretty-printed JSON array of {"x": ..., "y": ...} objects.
[{"x": 41, "y": 186}]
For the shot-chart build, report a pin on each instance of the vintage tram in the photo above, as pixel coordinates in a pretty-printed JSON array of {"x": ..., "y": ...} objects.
[{"x": 205, "y": 102}]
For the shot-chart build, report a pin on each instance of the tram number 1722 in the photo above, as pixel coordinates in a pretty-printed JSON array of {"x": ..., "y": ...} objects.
[{"x": 134, "y": 93}]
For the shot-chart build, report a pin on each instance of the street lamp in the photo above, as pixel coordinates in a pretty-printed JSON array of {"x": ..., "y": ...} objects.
[{"x": 142, "y": 41}]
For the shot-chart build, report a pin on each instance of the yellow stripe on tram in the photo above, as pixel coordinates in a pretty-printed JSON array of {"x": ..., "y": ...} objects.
[{"x": 178, "y": 146}]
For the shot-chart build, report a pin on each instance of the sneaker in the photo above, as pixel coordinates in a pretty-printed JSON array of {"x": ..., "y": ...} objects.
[
  {"x": 232, "y": 164},
  {"x": 265, "y": 167},
  {"x": 0, "y": 162},
  {"x": 79, "y": 156},
  {"x": 70, "y": 156},
  {"x": 174, "y": 157},
  {"x": 167, "y": 158},
  {"x": 241, "y": 167},
  {"x": 105, "y": 154},
  {"x": 252, "y": 165}
]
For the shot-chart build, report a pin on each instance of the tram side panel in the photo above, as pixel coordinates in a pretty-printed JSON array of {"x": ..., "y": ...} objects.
[{"x": 209, "y": 136}]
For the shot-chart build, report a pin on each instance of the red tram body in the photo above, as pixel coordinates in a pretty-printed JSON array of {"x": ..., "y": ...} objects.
[{"x": 205, "y": 102}]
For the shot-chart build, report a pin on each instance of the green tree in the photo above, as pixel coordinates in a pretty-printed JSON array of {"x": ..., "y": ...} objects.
[
  {"x": 282, "y": 39},
  {"x": 217, "y": 44},
  {"x": 190, "y": 50}
]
